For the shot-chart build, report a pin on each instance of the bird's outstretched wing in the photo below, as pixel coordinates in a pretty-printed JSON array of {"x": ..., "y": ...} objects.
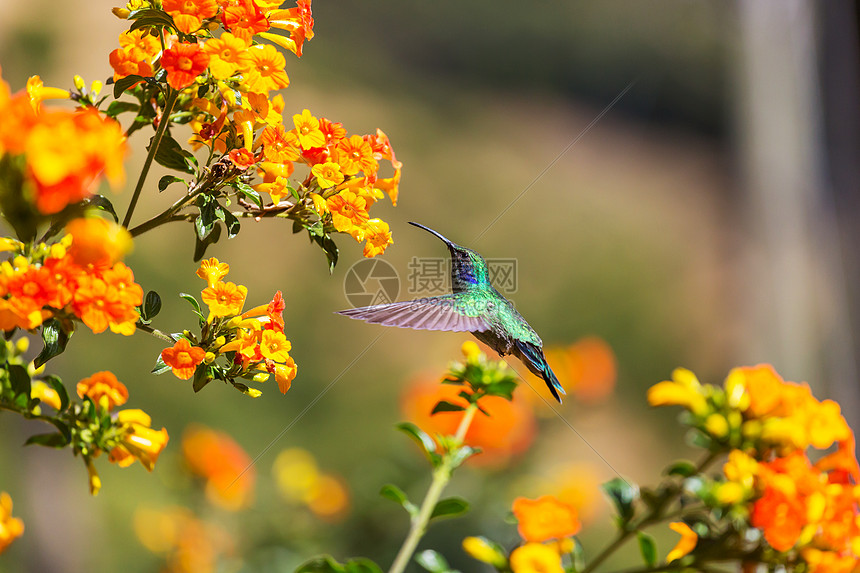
[{"x": 432, "y": 313}]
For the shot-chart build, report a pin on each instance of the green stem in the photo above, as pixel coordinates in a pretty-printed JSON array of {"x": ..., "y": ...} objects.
[
  {"x": 155, "y": 332},
  {"x": 655, "y": 515},
  {"x": 172, "y": 94},
  {"x": 441, "y": 477}
]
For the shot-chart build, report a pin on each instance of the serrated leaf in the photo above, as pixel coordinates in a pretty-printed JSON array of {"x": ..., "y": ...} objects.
[
  {"x": 397, "y": 495},
  {"x": 623, "y": 496},
  {"x": 450, "y": 507},
  {"x": 151, "y": 305},
  {"x": 321, "y": 564},
  {"x": 19, "y": 380},
  {"x": 55, "y": 340},
  {"x": 167, "y": 180},
  {"x": 160, "y": 366},
  {"x": 445, "y": 406},
  {"x": 57, "y": 384},
  {"x": 683, "y": 468},
  {"x": 432, "y": 561},
  {"x": 52, "y": 440},
  {"x": 648, "y": 548}
]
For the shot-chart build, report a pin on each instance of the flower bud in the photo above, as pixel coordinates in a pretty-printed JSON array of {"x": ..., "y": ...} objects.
[
  {"x": 209, "y": 357},
  {"x": 22, "y": 345},
  {"x": 261, "y": 377},
  {"x": 120, "y": 13},
  {"x": 482, "y": 550},
  {"x": 79, "y": 82}
]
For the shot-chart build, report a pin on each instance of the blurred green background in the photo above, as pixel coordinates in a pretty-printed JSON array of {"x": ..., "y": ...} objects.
[{"x": 706, "y": 220}]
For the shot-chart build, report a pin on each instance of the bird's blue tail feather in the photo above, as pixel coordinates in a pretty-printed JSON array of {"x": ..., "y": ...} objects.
[{"x": 536, "y": 358}]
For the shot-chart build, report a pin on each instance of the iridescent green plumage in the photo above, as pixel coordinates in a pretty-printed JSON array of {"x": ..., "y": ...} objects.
[{"x": 473, "y": 306}]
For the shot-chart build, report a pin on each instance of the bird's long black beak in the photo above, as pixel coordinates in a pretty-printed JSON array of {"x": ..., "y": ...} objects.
[{"x": 429, "y": 230}]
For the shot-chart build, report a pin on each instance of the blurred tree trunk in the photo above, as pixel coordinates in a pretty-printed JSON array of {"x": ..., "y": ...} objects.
[{"x": 796, "y": 297}]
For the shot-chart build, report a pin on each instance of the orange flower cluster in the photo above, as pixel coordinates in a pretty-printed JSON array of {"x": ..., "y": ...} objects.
[
  {"x": 767, "y": 424},
  {"x": 234, "y": 55},
  {"x": 225, "y": 466},
  {"x": 58, "y": 154},
  {"x": 545, "y": 525},
  {"x": 190, "y": 545},
  {"x": 78, "y": 276},
  {"x": 127, "y": 438},
  {"x": 256, "y": 337},
  {"x": 138, "y": 440},
  {"x": 11, "y": 528}
]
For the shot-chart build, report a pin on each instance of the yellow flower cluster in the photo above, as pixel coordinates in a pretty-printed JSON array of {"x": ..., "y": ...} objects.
[
  {"x": 253, "y": 341},
  {"x": 765, "y": 425}
]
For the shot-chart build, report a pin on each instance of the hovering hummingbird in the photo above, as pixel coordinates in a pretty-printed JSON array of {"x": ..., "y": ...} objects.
[{"x": 474, "y": 306}]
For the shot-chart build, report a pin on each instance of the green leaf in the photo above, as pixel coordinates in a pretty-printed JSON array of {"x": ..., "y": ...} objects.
[
  {"x": 150, "y": 17},
  {"x": 122, "y": 84},
  {"x": 200, "y": 245},
  {"x": 325, "y": 241},
  {"x": 321, "y": 564},
  {"x": 205, "y": 221},
  {"x": 623, "y": 495},
  {"x": 232, "y": 223},
  {"x": 395, "y": 494},
  {"x": 450, "y": 507},
  {"x": 160, "y": 366},
  {"x": 250, "y": 193},
  {"x": 151, "y": 305},
  {"x": 648, "y": 548},
  {"x": 445, "y": 406},
  {"x": 432, "y": 561},
  {"x": 422, "y": 438},
  {"x": 19, "y": 380},
  {"x": 117, "y": 107},
  {"x": 503, "y": 388},
  {"x": 193, "y": 302},
  {"x": 683, "y": 468},
  {"x": 461, "y": 454},
  {"x": 171, "y": 155},
  {"x": 52, "y": 440},
  {"x": 202, "y": 377},
  {"x": 102, "y": 203},
  {"x": 362, "y": 565},
  {"x": 167, "y": 180},
  {"x": 55, "y": 339},
  {"x": 57, "y": 384}
]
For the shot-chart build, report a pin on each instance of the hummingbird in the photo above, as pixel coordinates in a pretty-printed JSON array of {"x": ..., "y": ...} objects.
[{"x": 473, "y": 306}]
